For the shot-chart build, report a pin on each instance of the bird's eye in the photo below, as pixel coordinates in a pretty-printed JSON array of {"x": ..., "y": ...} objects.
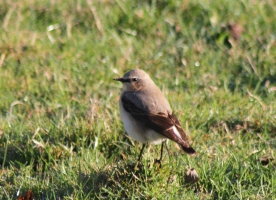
[{"x": 135, "y": 79}]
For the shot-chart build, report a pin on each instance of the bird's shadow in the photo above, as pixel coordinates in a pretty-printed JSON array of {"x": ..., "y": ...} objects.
[{"x": 115, "y": 179}]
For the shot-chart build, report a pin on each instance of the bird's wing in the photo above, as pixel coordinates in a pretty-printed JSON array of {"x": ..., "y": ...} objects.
[{"x": 163, "y": 123}]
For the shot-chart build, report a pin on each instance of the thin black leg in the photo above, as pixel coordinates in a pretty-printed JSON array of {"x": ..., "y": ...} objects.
[
  {"x": 158, "y": 162},
  {"x": 161, "y": 154},
  {"x": 141, "y": 152}
]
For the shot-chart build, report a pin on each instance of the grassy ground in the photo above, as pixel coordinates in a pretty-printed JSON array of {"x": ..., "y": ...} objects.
[{"x": 60, "y": 131}]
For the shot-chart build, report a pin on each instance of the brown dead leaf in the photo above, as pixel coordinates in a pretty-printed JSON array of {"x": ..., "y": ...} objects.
[
  {"x": 232, "y": 142},
  {"x": 235, "y": 30},
  {"x": 27, "y": 196},
  {"x": 191, "y": 176},
  {"x": 265, "y": 161}
]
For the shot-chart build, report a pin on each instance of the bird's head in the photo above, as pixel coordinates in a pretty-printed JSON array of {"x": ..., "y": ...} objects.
[{"x": 134, "y": 80}]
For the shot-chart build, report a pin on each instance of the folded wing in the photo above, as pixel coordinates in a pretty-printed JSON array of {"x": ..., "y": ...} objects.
[{"x": 163, "y": 123}]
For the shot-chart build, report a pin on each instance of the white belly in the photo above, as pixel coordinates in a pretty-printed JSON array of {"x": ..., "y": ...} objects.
[{"x": 136, "y": 130}]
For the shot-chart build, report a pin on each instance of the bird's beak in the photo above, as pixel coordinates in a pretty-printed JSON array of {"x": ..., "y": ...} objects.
[{"x": 121, "y": 80}]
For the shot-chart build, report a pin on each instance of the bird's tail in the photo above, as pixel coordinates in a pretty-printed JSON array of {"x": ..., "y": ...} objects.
[{"x": 188, "y": 150}]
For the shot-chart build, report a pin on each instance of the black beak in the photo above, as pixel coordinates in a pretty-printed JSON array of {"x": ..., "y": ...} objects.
[{"x": 121, "y": 80}]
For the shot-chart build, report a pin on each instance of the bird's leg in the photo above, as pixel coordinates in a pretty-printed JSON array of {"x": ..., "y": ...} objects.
[
  {"x": 161, "y": 155},
  {"x": 141, "y": 152},
  {"x": 139, "y": 158}
]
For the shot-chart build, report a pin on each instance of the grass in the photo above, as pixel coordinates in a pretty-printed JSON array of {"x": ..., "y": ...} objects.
[{"x": 60, "y": 131}]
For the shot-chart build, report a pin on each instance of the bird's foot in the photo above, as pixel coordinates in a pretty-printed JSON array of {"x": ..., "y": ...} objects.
[{"x": 157, "y": 163}]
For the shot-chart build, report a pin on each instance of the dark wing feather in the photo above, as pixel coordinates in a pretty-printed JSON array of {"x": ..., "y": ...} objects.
[{"x": 160, "y": 122}]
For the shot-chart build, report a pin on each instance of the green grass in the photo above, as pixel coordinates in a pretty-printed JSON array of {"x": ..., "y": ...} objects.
[{"x": 60, "y": 131}]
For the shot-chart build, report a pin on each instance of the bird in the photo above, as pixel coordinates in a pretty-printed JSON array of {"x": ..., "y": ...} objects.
[{"x": 146, "y": 113}]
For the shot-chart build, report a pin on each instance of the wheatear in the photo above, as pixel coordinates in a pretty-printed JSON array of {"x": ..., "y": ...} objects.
[{"x": 146, "y": 113}]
